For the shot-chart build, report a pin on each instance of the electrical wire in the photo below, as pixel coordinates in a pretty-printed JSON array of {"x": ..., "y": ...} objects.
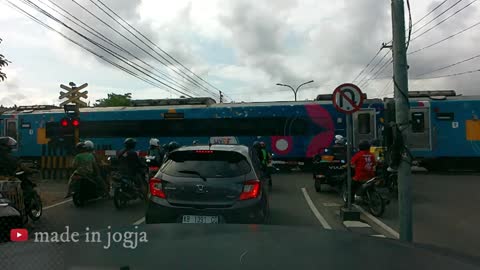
[
  {"x": 449, "y": 66},
  {"x": 444, "y": 39},
  {"x": 444, "y": 20},
  {"x": 431, "y": 11},
  {"x": 176, "y": 70},
  {"x": 117, "y": 56},
  {"x": 105, "y": 39},
  {"x": 370, "y": 62},
  {"x": 151, "y": 42},
  {"x": 453, "y": 75},
  {"x": 441, "y": 13},
  {"x": 410, "y": 26},
  {"x": 374, "y": 67}
]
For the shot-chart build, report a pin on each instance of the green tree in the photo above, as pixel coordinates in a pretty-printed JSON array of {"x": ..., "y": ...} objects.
[
  {"x": 3, "y": 63},
  {"x": 115, "y": 100}
]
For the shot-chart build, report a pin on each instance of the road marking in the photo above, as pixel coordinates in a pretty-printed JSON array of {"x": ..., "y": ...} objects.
[
  {"x": 314, "y": 209},
  {"x": 57, "y": 204},
  {"x": 378, "y": 222},
  {"x": 140, "y": 221},
  {"x": 379, "y": 235},
  {"x": 330, "y": 204},
  {"x": 355, "y": 224}
]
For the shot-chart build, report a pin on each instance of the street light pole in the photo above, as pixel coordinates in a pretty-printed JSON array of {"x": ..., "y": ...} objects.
[{"x": 295, "y": 91}]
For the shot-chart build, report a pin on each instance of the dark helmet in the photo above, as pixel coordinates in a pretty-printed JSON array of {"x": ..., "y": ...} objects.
[
  {"x": 364, "y": 145},
  {"x": 7, "y": 143},
  {"x": 81, "y": 147},
  {"x": 256, "y": 144},
  {"x": 130, "y": 143},
  {"x": 173, "y": 145}
]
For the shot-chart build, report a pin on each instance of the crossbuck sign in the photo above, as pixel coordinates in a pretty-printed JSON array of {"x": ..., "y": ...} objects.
[{"x": 73, "y": 94}]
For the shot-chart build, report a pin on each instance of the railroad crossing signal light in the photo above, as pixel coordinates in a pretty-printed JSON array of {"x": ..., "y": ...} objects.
[
  {"x": 75, "y": 122},
  {"x": 64, "y": 122}
]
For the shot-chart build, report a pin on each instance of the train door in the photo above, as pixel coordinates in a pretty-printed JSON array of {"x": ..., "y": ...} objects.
[
  {"x": 420, "y": 129},
  {"x": 11, "y": 128},
  {"x": 364, "y": 126}
]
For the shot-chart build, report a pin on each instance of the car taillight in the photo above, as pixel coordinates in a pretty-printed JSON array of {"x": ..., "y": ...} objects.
[
  {"x": 153, "y": 168},
  {"x": 156, "y": 188},
  {"x": 251, "y": 190}
]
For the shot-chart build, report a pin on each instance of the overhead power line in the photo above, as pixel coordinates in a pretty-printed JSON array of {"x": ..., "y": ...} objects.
[
  {"x": 370, "y": 62},
  {"x": 171, "y": 64},
  {"x": 431, "y": 11},
  {"x": 105, "y": 39},
  {"x": 445, "y": 39},
  {"x": 449, "y": 66},
  {"x": 374, "y": 67},
  {"x": 453, "y": 75},
  {"x": 112, "y": 53},
  {"x": 441, "y": 13},
  {"x": 378, "y": 73},
  {"x": 442, "y": 21},
  {"x": 155, "y": 45}
]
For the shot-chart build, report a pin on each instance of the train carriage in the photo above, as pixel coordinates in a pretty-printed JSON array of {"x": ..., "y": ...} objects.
[{"x": 293, "y": 131}]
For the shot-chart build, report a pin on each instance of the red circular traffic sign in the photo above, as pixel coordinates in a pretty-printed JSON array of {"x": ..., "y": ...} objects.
[{"x": 347, "y": 98}]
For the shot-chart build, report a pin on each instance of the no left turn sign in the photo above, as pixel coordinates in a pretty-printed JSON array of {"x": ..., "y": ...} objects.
[{"x": 347, "y": 98}]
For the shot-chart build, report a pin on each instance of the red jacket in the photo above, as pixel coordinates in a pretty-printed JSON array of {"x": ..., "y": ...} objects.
[{"x": 364, "y": 163}]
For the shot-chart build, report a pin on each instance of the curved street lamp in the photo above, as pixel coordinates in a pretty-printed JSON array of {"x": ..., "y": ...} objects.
[{"x": 295, "y": 91}]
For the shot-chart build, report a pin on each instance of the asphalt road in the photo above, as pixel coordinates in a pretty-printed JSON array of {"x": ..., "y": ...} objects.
[{"x": 445, "y": 211}]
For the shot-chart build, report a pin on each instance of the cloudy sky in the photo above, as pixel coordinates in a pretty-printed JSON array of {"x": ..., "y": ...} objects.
[{"x": 243, "y": 47}]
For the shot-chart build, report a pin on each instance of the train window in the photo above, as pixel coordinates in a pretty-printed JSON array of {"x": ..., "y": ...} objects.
[
  {"x": 364, "y": 123},
  {"x": 418, "y": 122}
]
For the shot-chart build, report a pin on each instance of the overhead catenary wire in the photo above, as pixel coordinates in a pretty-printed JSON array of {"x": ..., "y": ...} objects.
[
  {"x": 444, "y": 20},
  {"x": 156, "y": 46},
  {"x": 107, "y": 50},
  {"x": 105, "y": 39},
  {"x": 171, "y": 64},
  {"x": 82, "y": 46}
]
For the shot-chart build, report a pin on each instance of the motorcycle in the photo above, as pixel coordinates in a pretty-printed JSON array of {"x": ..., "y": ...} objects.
[
  {"x": 370, "y": 197},
  {"x": 329, "y": 171},
  {"x": 126, "y": 189},
  {"x": 32, "y": 201},
  {"x": 11, "y": 214},
  {"x": 83, "y": 189},
  {"x": 153, "y": 166}
]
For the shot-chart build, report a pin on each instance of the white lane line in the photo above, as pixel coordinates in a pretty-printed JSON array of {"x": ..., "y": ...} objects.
[
  {"x": 57, "y": 204},
  {"x": 378, "y": 222},
  {"x": 356, "y": 224},
  {"x": 140, "y": 221},
  {"x": 314, "y": 209}
]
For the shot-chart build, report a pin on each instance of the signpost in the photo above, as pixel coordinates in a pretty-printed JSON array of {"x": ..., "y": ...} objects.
[
  {"x": 73, "y": 101},
  {"x": 348, "y": 98}
]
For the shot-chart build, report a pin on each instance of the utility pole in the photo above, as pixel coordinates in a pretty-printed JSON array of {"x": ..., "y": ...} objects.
[{"x": 402, "y": 111}]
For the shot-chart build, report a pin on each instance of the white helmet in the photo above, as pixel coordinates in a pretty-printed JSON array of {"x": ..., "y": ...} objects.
[
  {"x": 154, "y": 142},
  {"x": 89, "y": 145},
  {"x": 339, "y": 139}
]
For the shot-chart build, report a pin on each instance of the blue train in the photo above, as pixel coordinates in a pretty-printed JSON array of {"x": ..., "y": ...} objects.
[{"x": 444, "y": 126}]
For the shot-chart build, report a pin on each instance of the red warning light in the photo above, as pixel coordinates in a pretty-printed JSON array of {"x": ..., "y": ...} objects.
[
  {"x": 64, "y": 123},
  {"x": 75, "y": 122}
]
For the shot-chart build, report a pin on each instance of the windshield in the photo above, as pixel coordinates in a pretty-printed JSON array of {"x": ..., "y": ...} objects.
[
  {"x": 348, "y": 117},
  {"x": 218, "y": 164}
]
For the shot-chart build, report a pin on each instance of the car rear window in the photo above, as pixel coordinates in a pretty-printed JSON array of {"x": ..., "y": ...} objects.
[{"x": 209, "y": 164}]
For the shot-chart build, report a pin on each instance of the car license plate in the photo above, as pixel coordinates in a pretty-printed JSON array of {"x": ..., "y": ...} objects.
[{"x": 200, "y": 219}]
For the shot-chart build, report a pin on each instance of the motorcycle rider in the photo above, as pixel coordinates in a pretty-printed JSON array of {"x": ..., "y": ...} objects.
[
  {"x": 170, "y": 147},
  {"x": 265, "y": 160},
  {"x": 83, "y": 165},
  {"x": 129, "y": 162},
  {"x": 339, "y": 149},
  {"x": 364, "y": 164},
  {"x": 99, "y": 175},
  {"x": 8, "y": 162},
  {"x": 156, "y": 150}
]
